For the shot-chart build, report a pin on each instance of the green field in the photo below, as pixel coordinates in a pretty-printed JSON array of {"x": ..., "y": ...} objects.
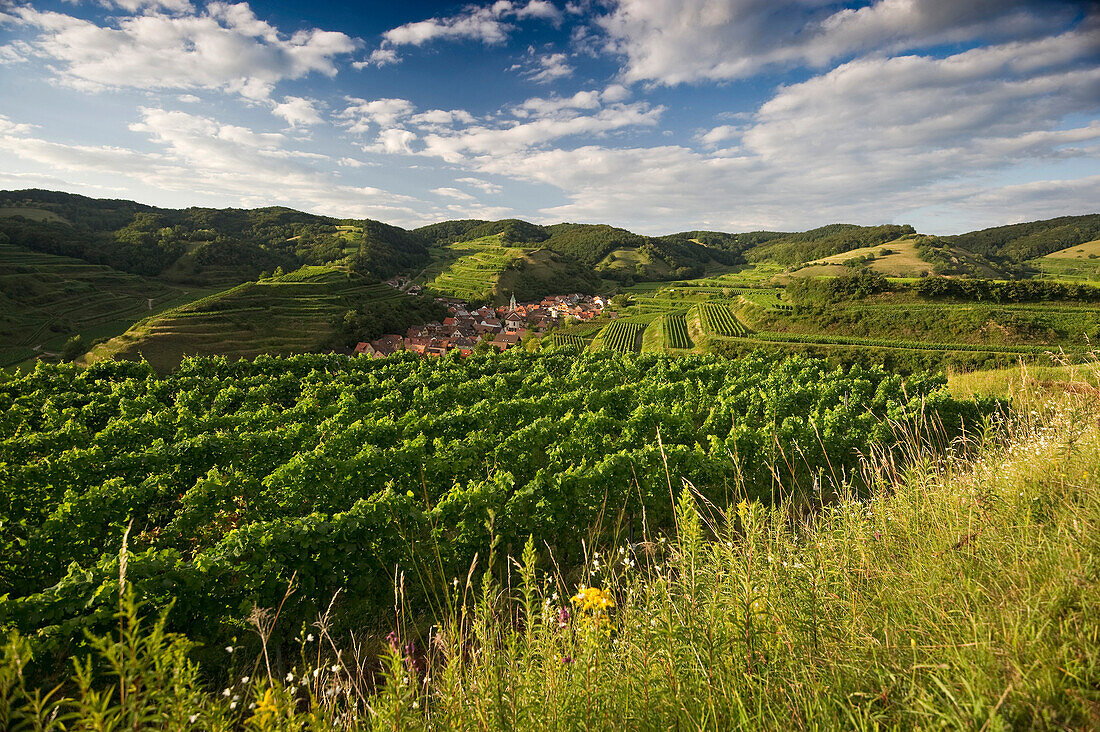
[
  {"x": 620, "y": 335},
  {"x": 295, "y": 313}
]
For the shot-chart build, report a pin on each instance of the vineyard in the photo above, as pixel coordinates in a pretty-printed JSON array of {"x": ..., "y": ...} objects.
[
  {"x": 44, "y": 299},
  {"x": 620, "y": 335},
  {"x": 719, "y": 320},
  {"x": 469, "y": 270},
  {"x": 294, "y": 313},
  {"x": 674, "y": 330},
  {"x": 566, "y": 339},
  {"x": 239, "y": 475}
]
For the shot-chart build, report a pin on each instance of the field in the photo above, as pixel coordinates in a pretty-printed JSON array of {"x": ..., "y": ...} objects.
[
  {"x": 46, "y": 299},
  {"x": 295, "y": 313},
  {"x": 1080, "y": 263},
  {"x": 907, "y": 586},
  {"x": 33, "y": 214},
  {"x": 898, "y": 258}
]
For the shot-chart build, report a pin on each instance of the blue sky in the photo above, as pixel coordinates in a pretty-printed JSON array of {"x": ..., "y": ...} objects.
[{"x": 655, "y": 115}]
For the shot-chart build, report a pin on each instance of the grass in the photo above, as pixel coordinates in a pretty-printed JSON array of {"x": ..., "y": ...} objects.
[
  {"x": 962, "y": 593},
  {"x": 898, "y": 258},
  {"x": 1080, "y": 263},
  {"x": 33, "y": 214}
]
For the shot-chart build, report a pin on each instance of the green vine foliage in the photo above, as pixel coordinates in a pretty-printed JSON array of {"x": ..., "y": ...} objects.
[{"x": 346, "y": 474}]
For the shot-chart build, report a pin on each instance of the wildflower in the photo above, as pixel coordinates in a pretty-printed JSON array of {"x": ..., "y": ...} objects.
[
  {"x": 415, "y": 704},
  {"x": 229, "y": 649},
  {"x": 226, "y": 692},
  {"x": 316, "y": 672},
  {"x": 567, "y": 659},
  {"x": 309, "y": 638},
  {"x": 244, "y": 679},
  {"x": 290, "y": 676},
  {"x": 334, "y": 668},
  {"x": 192, "y": 718},
  {"x": 593, "y": 600},
  {"x": 563, "y": 617},
  {"x": 232, "y": 705}
]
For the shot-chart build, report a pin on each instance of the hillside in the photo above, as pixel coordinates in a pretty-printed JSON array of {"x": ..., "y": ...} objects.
[
  {"x": 309, "y": 310},
  {"x": 45, "y": 299},
  {"x": 199, "y": 245}
]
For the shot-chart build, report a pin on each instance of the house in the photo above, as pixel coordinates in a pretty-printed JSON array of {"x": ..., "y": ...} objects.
[
  {"x": 388, "y": 344},
  {"x": 366, "y": 349},
  {"x": 513, "y": 321}
]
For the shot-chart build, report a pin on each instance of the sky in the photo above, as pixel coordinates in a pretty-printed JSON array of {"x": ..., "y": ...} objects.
[{"x": 654, "y": 115}]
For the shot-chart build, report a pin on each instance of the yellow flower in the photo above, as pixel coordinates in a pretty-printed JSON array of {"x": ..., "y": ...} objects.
[{"x": 592, "y": 600}]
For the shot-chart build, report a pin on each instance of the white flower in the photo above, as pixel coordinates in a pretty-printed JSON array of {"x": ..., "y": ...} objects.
[
  {"x": 236, "y": 697},
  {"x": 334, "y": 669},
  {"x": 226, "y": 692},
  {"x": 416, "y": 704},
  {"x": 309, "y": 638},
  {"x": 290, "y": 676},
  {"x": 229, "y": 649},
  {"x": 245, "y": 679},
  {"x": 316, "y": 672},
  {"x": 232, "y": 705},
  {"x": 192, "y": 718}
]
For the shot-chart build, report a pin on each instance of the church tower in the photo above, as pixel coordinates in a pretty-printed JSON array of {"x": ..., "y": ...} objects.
[{"x": 512, "y": 303}]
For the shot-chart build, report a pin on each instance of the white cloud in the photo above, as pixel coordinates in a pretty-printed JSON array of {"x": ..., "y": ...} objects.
[
  {"x": 539, "y": 107},
  {"x": 175, "y": 6},
  {"x": 676, "y": 41},
  {"x": 719, "y": 134},
  {"x": 869, "y": 141},
  {"x": 453, "y": 193},
  {"x": 188, "y": 99},
  {"x": 486, "y": 24},
  {"x": 393, "y": 141},
  {"x": 482, "y": 185},
  {"x": 360, "y": 114},
  {"x": 200, "y": 158},
  {"x": 297, "y": 111},
  {"x": 224, "y": 47},
  {"x": 548, "y": 68}
]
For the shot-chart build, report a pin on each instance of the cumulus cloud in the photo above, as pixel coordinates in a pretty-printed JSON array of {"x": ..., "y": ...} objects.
[
  {"x": 360, "y": 114},
  {"x": 872, "y": 140},
  {"x": 223, "y": 47},
  {"x": 200, "y": 157},
  {"x": 550, "y": 67},
  {"x": 297, "y": 111},
  {"x": 676, "y": 41},
  {"x": 487, "y": 24}
]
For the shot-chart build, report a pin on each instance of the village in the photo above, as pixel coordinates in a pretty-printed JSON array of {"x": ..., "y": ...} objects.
[{"x": 500, "y": 328}]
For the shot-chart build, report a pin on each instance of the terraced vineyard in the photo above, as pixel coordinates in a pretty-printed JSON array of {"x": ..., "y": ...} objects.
[
  {"x": 719, "y": 320},
  {"x": 295, "y": 313},
  {"x": 620, "y": 335},
  {"x": 674, "y": 330},
  {"x": 469, "y": 270},
  {"x": 829, "y": 340},
  {"x": 566, "y": 339},
  {"x": 45, "y": 299}
]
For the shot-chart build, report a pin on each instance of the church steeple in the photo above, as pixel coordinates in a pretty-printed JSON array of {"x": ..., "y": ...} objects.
[{"x": 512, "y": 303}]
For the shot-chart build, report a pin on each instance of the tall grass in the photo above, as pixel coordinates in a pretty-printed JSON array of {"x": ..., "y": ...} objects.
[{"x": 964, "y": 594}]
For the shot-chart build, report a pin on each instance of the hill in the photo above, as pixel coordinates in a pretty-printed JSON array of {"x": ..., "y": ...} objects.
[
  {"x": 200, "y": 245},
  {"x": 1021, "y": 242},
  {"x": 46, "y": 299},
  {"x": 310, "y": 310}
]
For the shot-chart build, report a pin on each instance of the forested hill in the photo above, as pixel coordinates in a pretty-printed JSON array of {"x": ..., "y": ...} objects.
[
  {"x": 205, "y": 245},
  {"x": 200, "y": 245},
  {"x": 1020, "y": 242}
]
